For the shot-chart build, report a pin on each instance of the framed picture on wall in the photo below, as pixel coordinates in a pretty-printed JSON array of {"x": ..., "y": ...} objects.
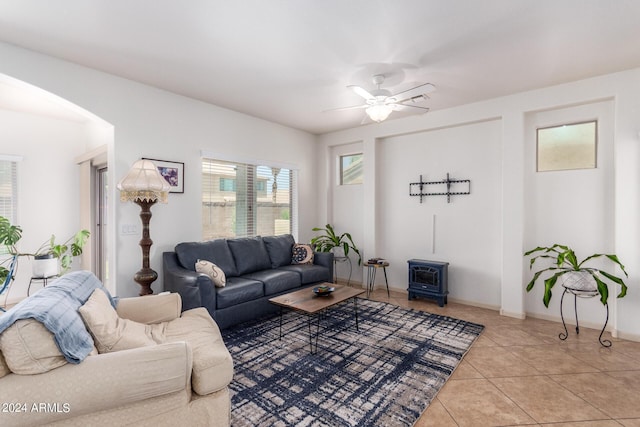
[{"x": 173, "y": 172}]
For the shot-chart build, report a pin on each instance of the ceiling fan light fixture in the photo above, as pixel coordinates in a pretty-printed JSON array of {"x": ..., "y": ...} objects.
[
  {"x": 379, "y": 112},
  {"x": 379, "y": 103}
]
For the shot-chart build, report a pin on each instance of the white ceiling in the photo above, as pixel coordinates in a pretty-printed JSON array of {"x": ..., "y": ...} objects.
[{"x": 288, "y": 61}]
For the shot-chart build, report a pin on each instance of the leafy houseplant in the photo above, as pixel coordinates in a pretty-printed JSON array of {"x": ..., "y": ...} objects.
[
  {"x": 564, "y": 261},
  {"x": 329, "y": 240},
  {"x": 9, "y": 236},
  {"x": 65, "y": 252},
  {"x": 72, "y": 247}
]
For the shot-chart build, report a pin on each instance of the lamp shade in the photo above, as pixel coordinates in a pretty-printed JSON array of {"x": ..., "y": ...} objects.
[
  {"x": 143, "y": 182},
  {"x": 379, "y": 112}
]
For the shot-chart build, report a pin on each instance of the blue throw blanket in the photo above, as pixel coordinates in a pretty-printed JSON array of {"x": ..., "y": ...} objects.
[{"x": 56, "y": 306}]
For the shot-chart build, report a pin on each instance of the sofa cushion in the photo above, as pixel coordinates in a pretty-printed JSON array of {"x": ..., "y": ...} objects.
[
  {"x": 276, "y": 281},
  {"x": 212, "y": 363},
  {"x": 110, "y": 332},
  {"x": 250, "y": 254},
  {"x": 216, "y": 251},
  {"x": 214, "y": 272},
  {"x": 29, "y": 348},
  {"x": 56, "y": 306},
  {"x": 279, "y": 249},
  {"x": 238, "y": 290},
  {"x": 302, "y": 254},
  {"x": 113, "y": 389},
  {"x": 162, "y": 307},
  {"x": 4, "y": 369},
  {"x": 309, "y": 273}
]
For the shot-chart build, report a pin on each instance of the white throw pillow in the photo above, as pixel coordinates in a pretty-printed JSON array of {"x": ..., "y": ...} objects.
[
  {"x": 110, "y": 332},
  {"x": 213, "y": 271}
]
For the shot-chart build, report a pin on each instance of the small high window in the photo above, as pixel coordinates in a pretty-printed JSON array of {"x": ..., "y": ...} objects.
[
  {"x": 351, "y": 170},
  {"x": 571, "y": 146}
]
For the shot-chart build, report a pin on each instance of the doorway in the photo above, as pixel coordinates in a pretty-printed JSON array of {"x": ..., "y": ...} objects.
[{"x": 101, "y": 260}]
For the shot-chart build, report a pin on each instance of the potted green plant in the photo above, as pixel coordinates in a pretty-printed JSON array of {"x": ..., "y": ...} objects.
[
  {"x": 9, "y": 235},
  {"x": 50, "y": 253},
  {"x": 565, "y": 264},
  {"x": 329, "y": 240},
  {"x": 64, "y": 252}
]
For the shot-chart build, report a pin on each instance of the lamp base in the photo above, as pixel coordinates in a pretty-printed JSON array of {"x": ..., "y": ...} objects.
[{"x": 145, "y": 277}]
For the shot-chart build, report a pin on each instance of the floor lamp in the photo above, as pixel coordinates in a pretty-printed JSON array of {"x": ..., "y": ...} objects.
[{"x": 144, "y": 186}]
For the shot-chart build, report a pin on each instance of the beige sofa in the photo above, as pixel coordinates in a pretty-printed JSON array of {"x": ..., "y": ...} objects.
[{"x": 181, "y": 381}]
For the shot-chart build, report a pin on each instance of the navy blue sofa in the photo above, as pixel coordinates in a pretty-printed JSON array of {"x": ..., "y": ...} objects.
[{"x": 256, "y": 269}]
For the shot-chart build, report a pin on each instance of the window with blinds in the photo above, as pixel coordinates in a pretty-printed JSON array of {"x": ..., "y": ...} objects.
[
  {"x": 8, "y": 192},
  {"x": 245, "y": 200}
]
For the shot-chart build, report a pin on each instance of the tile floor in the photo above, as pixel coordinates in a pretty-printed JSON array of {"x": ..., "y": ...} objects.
[{"x": 520, "y": 373}]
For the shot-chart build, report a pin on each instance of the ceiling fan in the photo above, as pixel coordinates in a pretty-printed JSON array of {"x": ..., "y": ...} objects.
[{"x": 379, "y": 103}]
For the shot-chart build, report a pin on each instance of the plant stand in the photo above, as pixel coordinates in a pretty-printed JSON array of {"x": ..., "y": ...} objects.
[
  {"x": 341, "y": 259},
  {"x": 582, "y": 294},
  {"x": 44, "y": 280}
]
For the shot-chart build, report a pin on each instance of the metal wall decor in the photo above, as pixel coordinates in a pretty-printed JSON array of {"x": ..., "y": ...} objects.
[{"x": 421, "y": 190}]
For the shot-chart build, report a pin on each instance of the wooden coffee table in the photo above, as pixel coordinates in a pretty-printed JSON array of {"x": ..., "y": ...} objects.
[{"x": 307, "y": 302}]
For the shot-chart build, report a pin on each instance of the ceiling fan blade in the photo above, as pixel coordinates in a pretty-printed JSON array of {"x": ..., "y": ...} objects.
[
  {"x": 354, "y": 107},
  {"x": 415, "y": 91},
  {"x": 407, "y": 107},
  {"x": 362, "y": 92}
]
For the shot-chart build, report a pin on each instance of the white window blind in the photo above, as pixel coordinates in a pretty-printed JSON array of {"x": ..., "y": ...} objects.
[
  {"x": 244, "y": 200},
  {"x": 8, "y": 193},
  {"x": 9, "y": 190}
]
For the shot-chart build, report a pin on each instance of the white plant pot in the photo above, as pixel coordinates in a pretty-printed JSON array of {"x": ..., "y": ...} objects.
[
  {"x": 44, "y": 267},
  {"x": 338, "y": 252},
  {"x": 581, "y": 281}
]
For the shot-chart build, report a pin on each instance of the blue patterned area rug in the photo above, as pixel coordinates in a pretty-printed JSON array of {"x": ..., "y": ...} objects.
[{"x": 385, "y": 374}]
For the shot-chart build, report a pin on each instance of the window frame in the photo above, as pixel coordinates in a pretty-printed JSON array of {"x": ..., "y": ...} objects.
[
  {"x": 341, "y": 169},
  {"x": 12, "y": 183},
  {"x": 13, "y": 162},
  {"x": 569, "y": 161},
  {"x": 259, "y": 193}
]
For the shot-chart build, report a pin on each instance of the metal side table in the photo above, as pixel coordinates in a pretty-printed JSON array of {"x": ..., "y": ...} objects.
[{"x": 372, "y": 268}]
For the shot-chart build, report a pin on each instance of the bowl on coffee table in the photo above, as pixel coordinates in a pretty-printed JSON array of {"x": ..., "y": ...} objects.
[{"x": 323, "y": 291}]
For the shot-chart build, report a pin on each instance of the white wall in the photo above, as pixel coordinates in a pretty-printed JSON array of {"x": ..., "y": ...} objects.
[
  {"x": 499, "y": 264},
  {"x": 571, "y": 207},
  {"x": 347, "y": 211},
  {"x": 153, "y": 123},
  {"x": 464, "y": 232},
  {"x": 48, "y": 181}
]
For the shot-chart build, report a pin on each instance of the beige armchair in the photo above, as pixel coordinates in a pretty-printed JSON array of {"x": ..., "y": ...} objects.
[{"x": 182, "y": 381}]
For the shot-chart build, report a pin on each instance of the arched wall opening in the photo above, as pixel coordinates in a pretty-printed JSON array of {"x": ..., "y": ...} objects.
[{"x": 57, "y": 146}]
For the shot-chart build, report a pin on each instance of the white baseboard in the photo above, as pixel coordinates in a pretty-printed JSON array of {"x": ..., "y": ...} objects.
[
  {"x": 571, "y": 321},
  {"x": 627, "y": 336},
  {"x": 474, "y": 304},
  {"x": 520, "y": 316}
]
